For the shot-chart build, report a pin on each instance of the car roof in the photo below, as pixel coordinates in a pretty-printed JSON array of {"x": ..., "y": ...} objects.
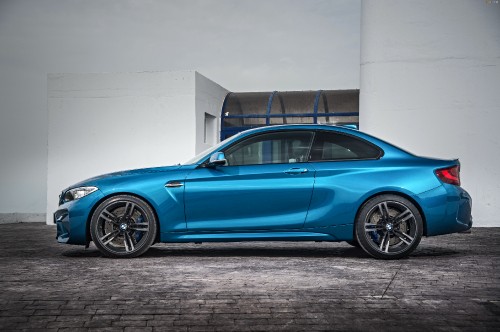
[
  {"x": 328, "y": 127},
  {"x": 301, "y": 126}
]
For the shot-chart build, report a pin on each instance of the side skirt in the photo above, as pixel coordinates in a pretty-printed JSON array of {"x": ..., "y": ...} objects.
[{"x": 332, "y": 234}]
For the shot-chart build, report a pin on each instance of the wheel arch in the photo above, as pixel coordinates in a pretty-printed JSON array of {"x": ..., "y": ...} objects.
[
  {"x": 397, "y": 193},
  {"x": 89, "y": 218}
]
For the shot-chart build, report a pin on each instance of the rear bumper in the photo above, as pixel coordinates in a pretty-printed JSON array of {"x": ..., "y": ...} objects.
[
  {"x": 464, "y": 213},
  {"x": 447, "y": 209},
  {"x": 71, "y": 219}
]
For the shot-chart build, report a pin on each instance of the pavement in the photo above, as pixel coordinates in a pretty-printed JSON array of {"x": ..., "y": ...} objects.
[{"x": 450, "y": 283}]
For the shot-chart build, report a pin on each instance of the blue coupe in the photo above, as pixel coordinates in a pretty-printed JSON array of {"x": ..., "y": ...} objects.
[{"x": 277, "y": 183}]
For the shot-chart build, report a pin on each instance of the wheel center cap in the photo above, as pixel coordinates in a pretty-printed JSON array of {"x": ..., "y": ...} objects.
[
  {"x": 123, "y": 227},
  {"x": 388, "y": 227}
]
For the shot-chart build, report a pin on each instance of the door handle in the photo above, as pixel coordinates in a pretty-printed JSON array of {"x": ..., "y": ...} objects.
[
  {"x": 173, "y": 184},
  {"x": 296, "y": 170}
]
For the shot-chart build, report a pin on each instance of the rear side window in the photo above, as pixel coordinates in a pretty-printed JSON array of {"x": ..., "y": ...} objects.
[{"x": 334, "y": 146}]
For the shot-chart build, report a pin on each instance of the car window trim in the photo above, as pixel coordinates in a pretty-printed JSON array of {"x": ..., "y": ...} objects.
[{"x": 314, "y": 132}]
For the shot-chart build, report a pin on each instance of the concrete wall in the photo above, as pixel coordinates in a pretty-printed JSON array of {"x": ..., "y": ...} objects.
[
  {"x": 209, "y": 99},
  {"x": 430, "y": 79},
  {"x": 100, "y": 123}
]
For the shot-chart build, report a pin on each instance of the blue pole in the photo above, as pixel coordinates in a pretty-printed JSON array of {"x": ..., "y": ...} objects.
[{"x": 269, "y": 105}]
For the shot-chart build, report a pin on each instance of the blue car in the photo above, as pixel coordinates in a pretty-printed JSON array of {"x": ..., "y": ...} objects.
[{"x": 277, "y": 183}]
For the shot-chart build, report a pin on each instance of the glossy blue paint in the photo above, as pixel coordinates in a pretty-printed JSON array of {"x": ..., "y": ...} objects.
[
  {"x": 72, "y": 229},
  {"x": 291, "y": 201},
  {"x": 285, "y": 235},
  {"x": 247, "y": 197}
]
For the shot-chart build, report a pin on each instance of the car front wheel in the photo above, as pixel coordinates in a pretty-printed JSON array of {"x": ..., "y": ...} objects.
[
  {"x": 389, "y": 227},
  {"x": 123, "y": 226}
]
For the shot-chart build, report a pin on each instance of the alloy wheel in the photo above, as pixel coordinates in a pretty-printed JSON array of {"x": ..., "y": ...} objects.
[
  {"x": 389, "y": 227},
  {"x": 123, "y": 226}
]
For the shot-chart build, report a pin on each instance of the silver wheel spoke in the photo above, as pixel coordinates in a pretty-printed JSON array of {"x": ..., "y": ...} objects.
[
  {"x": 384, "y": 210},
  {"x": 403, "y": 216},
  {"x": 388, "y": 241},
  {"x": 127, "y": 241},
  {"x": 404, "y": 237},
  {"x": 384, "y": 239},
  {"x": 108, "y": 216},
  {"x": 129, "y": 209},
  {"x": 372, "y": 227},
  {"x": 141, "y": 227},
  {"x": 109, "y": 237}
]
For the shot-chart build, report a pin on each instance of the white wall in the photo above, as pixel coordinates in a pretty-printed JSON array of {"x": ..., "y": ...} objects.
[
  {"x": 100, "y": 123},
  {"x": 430, "y": 79},
  {"x": 209, "y": 99}
]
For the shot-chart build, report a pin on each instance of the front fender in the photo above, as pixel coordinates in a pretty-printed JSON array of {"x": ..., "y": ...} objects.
[{"x": 168, "y": 203}]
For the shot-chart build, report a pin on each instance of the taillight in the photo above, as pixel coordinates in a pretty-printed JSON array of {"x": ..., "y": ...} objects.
[{"x": 449, "y": 175}]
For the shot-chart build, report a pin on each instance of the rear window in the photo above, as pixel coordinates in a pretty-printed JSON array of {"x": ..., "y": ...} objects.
[{"x": 335, "y": 146}]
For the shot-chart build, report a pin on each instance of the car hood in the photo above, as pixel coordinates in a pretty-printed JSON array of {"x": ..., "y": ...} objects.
[{"x": 115, "y": 175}]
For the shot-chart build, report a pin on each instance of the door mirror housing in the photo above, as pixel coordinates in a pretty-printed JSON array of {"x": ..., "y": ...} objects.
[{"x": 217, "y": 159}]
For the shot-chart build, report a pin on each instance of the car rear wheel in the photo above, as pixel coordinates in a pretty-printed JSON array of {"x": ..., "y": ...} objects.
[
  {"x": 389, "y": 227},
  {"x": 123, "y": 226}
]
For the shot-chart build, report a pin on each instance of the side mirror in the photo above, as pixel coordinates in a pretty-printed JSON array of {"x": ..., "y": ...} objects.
[{"x": 217, "y": 159}]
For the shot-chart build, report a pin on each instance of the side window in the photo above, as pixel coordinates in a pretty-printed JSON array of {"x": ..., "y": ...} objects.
[
  {"x": 272, "y": 148},
  {"x": 334, "y": 146}
]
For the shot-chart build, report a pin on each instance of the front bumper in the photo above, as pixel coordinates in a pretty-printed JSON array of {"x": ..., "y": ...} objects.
[{"x": 71, "y": 219}]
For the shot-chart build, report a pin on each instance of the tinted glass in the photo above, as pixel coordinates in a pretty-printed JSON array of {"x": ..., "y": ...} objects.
[
  {"x": 272, "y": 148},
  {"x": 333, "y": 146}
]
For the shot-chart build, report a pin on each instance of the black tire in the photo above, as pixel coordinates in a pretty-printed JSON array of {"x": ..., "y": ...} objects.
[
  {"x": 123, "y": 226},
  {"x": 389, "y": 227}
]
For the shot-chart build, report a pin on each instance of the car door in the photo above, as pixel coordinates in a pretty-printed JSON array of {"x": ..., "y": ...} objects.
[
  {"x": 344, "y": 167},
  {"x": 266, "y": 185}
]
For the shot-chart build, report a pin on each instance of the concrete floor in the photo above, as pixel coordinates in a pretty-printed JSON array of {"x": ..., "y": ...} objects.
[{"x": 450, "y": 283}]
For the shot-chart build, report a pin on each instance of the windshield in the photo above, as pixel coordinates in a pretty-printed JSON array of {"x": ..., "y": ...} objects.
[{"x": 201, "y": 156}]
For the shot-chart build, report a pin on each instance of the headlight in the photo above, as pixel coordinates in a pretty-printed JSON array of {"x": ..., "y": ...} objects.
[{"x": 77, "y": 193}]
